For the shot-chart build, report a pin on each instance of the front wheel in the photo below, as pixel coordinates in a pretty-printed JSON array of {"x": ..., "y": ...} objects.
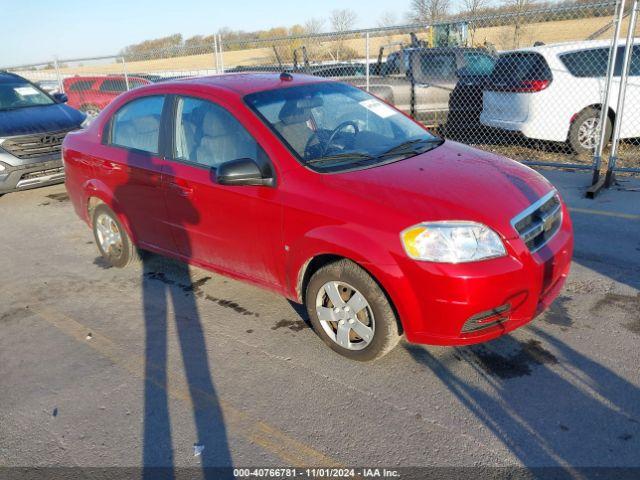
[
  {"x": 114, "y": 244},
  {"x": 350, "y": 312},
  {"x": 584, "y": 133}
]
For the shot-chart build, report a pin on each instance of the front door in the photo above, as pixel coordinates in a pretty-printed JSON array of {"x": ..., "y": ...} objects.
[{"x": 233, "y": 228}]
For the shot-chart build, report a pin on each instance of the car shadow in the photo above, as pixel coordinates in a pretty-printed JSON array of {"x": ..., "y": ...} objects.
[
  {"x": 166, "y": 299},
  {"x": 547, "y": 403}
]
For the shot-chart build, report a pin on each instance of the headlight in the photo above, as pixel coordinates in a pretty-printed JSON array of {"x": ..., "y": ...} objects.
[
  {"x": 85, "y": 123},
  {"x": 451, "y": 242},
  {"x": 1, "y": 168}
]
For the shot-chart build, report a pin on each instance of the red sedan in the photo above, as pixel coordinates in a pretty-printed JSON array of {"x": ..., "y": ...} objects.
[{"x": 323, "y": 193}]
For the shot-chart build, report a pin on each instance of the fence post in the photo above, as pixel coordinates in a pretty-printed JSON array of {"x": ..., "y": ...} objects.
[
  {"x": 366, "y": 47},
  {"x": 58, "y": 78},
  {"x": 215, "y": 54},
  {"x": 604, "y": 111},
  {"x": 126, "y": 75},
  {"x": 624, "y": 78},
  {"x": 221, "y": 55}
]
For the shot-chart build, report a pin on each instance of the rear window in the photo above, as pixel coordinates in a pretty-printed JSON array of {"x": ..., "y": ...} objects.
[{"x": 517, "y": 67}]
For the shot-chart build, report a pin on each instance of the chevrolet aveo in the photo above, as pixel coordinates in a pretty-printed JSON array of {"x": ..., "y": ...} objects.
[{"x": 323, "y": 193}]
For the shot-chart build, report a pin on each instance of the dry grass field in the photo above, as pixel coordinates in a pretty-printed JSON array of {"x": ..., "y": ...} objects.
[{"x": 503, "y": 37}]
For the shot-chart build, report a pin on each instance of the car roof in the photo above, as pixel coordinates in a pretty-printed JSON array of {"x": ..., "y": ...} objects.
[
  {"x": 8, "y": 77},
  {"x": 563, "y": 47},
  {"x": 245, "y": 83}
]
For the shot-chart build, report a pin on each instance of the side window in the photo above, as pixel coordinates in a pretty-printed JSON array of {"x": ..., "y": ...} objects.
[
  {"x": 587, "y": 63},
  {"x": 634, "y": 68},
  {"x": 478, "y": 63},
  {"x": 208, "y": 135},
  {"x": 137, "y": 124},
  {"x": 113, "y": 85},
  {"x": 81, "y": 85},
  {"x": 438, "y": 65}
]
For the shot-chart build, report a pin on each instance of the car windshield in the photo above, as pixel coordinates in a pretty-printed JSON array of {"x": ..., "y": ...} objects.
[
  {"x": 21, "y": 94},
  {"x": 333, "y": 126}
]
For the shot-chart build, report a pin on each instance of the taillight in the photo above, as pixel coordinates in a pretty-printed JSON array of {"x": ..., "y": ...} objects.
[
  {"x": 525, "y": 86},
  {"x": 533, "y": 85}
]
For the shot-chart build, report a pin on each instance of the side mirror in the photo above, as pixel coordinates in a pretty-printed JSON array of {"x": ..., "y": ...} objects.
[
  {"x": 60, "y": 97},
  {"x": 243, "y": 171}
]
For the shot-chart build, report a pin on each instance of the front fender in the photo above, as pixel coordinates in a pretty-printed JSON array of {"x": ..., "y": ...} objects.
[{"x": 345, "y": 242}]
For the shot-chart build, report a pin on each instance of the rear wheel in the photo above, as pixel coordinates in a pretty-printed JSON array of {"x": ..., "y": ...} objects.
[
  {"x": 350, "y": 312},
  {"x": 114, "y": 244},
  {"x": 584, "y": 133}
]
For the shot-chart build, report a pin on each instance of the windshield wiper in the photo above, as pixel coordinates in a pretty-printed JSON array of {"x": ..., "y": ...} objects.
[
  {"x": 357, "y": 156},
  {"x": 410, "y": 146}
]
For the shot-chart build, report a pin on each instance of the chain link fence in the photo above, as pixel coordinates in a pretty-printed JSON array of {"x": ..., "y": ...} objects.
[{"x": 529, "y": 84}]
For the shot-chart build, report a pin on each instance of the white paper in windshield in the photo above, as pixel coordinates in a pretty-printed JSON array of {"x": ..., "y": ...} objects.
[
  {"x": 25, "y": 91},
  {"x": 379, "y": 108}
]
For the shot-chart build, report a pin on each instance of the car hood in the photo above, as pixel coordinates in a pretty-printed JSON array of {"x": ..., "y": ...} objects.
[
  {"x": 450, "y": 182},
  {"x": 41, "y": 119}
]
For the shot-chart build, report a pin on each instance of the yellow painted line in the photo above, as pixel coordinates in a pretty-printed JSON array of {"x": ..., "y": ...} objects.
[
  {"x": 627, "y": 216},
  {"x": 290, "y": 451}
]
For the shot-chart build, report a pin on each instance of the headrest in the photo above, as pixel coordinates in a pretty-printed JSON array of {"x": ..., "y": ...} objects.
[
  {"x": 146, "y": 124},
  {"x": 298, "y": 110},
  {"x": 215, "y": 123}
]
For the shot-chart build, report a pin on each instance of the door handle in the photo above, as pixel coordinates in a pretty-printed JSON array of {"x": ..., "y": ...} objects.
[{"x": 181, "y": 190}]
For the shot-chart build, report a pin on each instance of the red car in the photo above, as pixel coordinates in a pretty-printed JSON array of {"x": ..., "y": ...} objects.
[
  {"x": 92, "y": 94},
  {"x": 321, "y": 192}
]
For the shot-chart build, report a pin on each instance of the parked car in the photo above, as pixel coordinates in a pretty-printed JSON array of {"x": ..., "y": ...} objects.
[
  {"x": 554, "y": 93},
  {"x": 321, "y": 192},
  {"x": 92, "y": 94},
  {"x": 435, "y": 76},
  {"x": 32, "y": 127},
  {"x": 465, "y": 101}
]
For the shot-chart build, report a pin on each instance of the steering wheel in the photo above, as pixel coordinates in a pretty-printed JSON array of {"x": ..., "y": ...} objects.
[{"x": 331, "y": 138}]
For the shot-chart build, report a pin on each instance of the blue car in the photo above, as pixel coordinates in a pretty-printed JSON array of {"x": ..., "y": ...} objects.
[{"x": 32, "y": 127}]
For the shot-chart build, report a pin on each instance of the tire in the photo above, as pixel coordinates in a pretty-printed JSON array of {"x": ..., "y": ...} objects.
[
  {"x": 375, "y": 320},
  {"x": 90, "y": 110},
  {"x": 118, "y": 250},
  {"x": 588, "y": 119}
]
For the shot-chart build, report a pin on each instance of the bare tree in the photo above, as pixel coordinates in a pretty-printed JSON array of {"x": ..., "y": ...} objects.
[
  {"x": 519, "y": 7},
  {"x": 472, "y": 8},
  {"x": 313, "y": 26},
  {"x": 428, "y": 11},
  {"x": 343, "y": 20}
]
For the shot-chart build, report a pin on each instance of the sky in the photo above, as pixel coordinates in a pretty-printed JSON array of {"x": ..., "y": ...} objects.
[{"x": 37, "y": 30}]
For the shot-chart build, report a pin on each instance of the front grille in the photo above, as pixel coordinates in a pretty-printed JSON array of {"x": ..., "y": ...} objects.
[
  {"x": 37, "y": 145},
  {"x": 42, "y": 173},
  {"x": 540, "y": 222}
]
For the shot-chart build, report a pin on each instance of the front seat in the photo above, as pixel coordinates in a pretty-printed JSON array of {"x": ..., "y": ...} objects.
[
  {"x": 218, "y": 143},
  {"x": 294, "y": 125}
]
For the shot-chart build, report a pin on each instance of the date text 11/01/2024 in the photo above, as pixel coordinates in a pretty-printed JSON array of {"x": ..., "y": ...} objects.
[{"x": 240, "y": 473}]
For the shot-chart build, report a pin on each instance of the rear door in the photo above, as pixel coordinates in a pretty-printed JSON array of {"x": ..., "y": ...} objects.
[
  {"x": 109, "y": 89},
  {"x": 630, "y": 126},
  {"x": 130, "y": 164},
  {"x": 234, "y": 228}
]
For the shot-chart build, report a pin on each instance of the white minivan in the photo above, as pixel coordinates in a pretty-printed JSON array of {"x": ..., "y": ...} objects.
[{"x": 555, "y": 92}]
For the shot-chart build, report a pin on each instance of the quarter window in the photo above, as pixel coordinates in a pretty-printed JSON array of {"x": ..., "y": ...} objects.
[
  {"x": 208, "y": 135},
  {"x": 137, "y": 124}
]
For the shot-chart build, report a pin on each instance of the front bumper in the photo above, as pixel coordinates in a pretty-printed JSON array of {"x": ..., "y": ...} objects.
[
  {"x": 440, "y": 301},
  {"x": 31, "y": 175}
]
